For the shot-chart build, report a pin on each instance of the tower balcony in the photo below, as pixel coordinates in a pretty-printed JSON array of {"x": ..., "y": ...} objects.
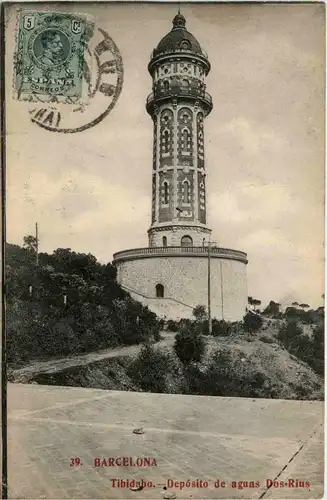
[
  {"x": 157, "y": 58},
  {"x": 160, "y": 96},
  {"x": 190, "y": 251}
]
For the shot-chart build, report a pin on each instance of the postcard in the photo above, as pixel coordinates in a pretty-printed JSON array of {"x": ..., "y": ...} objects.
[{"x": 164, "y": 253}]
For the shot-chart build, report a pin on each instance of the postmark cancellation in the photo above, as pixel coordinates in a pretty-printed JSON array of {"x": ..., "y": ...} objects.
[{"x": 49, "y": 58}]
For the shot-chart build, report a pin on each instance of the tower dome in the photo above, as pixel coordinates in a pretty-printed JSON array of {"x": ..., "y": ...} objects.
[{"x": 178, "y": 39}]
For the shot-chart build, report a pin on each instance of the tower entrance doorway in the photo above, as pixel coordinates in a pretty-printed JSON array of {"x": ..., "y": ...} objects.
[
  {"x": 160, "y": 291},
  {"x": 186, "y": 241}
]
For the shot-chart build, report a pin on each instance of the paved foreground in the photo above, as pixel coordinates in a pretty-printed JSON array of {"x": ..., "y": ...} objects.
[{"x": 193, "y": 438}]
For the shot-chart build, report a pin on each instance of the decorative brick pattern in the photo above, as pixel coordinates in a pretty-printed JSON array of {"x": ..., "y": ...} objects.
[
  {"x": 154, "y": 188},
  {"x": 154, "y": 158},
  {"x": 200, "y": 136},
  {"x": 202, "y": 197},
  {"x": 174, "y": 234},
  {"x": 165, "y": 195},
  {"x": 185, "y": 135},
  {"x": 166, "y": 137},
  {"x": 185, "y": 196}
]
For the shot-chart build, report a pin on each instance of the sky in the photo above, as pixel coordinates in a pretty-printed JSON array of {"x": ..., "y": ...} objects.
[{"x": 264, "y": 145}]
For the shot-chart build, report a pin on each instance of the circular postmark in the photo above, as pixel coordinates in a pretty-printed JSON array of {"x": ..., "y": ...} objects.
[{"x": 103, "y": 77}]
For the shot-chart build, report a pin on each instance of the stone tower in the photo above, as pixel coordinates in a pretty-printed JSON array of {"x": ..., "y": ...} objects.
[
  {"x": 171, "y": 276},
  {"x": 178, "y": 106}
]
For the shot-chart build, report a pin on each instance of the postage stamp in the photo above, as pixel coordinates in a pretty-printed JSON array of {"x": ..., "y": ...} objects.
[
  {"x": 103, "y": 77},
  {"x": 49, "y": 57}
]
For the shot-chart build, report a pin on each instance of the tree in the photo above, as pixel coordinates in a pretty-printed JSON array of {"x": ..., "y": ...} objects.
[
  {"x": 199, "y": 312},
  {"x": 295, "y": 304},
  {"x": 250, "y": 301},
  {"x": 304, "y": 306},
  {"x": 73, "y": 304},
  {"x": 30, "y": 243},
  {"x": 272, "y": 308},
  {"x": 256, "y": 302},
  {"x": 252, "y": 322}
]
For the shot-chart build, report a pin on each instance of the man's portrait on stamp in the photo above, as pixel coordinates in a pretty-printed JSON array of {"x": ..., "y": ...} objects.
[
  {"x": 51, "y": 47},
  {"x": 164, "y": 256}
]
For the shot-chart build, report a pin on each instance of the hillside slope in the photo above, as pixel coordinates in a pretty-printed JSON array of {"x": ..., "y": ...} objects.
[{"x": 230, "y": 367}]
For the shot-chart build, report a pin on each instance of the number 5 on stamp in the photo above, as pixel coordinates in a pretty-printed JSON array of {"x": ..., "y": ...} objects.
[{"x": 49, "y": 57}]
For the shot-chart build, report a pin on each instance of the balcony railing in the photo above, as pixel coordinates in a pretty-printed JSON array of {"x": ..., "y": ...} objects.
[
  {"x": 147, "y": 252},
  {"x": 155, "y": 53},
  {"x": 179, "y": 91}
]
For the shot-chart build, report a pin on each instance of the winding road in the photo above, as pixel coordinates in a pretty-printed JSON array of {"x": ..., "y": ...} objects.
[{"x": 56, "y": 365}]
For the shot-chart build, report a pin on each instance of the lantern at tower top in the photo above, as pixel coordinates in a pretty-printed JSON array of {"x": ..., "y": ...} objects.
[
  {"x": 178, "y": 67},
  {"x": 179, "y": 41}
]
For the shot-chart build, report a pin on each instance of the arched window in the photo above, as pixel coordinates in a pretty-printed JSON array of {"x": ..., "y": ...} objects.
[
  {"x": 185, "y": 137},
  {"x": 165, "y": 193},
  {"x": 185, "y": 85},
  {"x": 186, "y": 241},
  {"x": 166, "y": 86},
  {"x": 165, "y": 141},
  {"x": 186, "y": 192},
  {"x": 164, "y": 241},
  {"x": 160, "y": 291}
]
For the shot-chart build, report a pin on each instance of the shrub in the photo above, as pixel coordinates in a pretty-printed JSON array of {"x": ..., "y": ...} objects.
[
  {"x": 229, "y": 375},
  {"x": 288, "y": 333},
  {"x": 272, "y": 309},
  {"x": 184, "y": 323},
  {"x": 252, "y": 322},
  {"x": 172, "y": 325},
  {"x": 150, "y": 369},
  {"x": 199, "y": 312},
  {"x": 309, "y": 350},
  {"x": 266, "y": 340},
  {"x": 189, "y": 346},
  {"x": 220, "y": 328}
]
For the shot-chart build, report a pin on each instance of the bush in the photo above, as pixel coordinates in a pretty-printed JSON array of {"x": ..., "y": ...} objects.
[
  {"x": 151, "y": 368},
  {"x": 227, "y": 375},
  {"x": 288, "y": 333},
  {"x": 184, "y": 323},
  {"x": 172, "y": 325},
  {"x": 220, "y": 328},
  {"x": 309, "y": 350},
  {"x": 252, "y": 322},
  {"x": 189, "y": 346},
  {"x": 199, "y": 312},
  {"x": 266, "y": 340}
]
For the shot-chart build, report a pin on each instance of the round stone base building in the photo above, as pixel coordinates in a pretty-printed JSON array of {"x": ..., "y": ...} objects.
[{"x": 180, "y": 268}]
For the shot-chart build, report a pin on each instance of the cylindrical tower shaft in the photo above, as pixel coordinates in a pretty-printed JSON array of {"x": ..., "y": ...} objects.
[{"x": 178, "y": 105}]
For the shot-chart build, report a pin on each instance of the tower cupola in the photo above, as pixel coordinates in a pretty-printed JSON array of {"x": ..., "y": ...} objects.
[{"x": 178, "y": 39}]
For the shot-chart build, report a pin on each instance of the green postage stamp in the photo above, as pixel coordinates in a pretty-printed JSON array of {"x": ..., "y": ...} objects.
[{"x": 49, "y": 57}]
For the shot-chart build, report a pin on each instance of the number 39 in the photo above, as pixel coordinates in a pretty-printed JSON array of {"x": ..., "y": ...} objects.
[{"x": 75, "y": 462}]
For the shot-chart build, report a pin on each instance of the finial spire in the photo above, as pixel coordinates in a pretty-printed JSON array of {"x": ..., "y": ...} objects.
[{"x": 179, "y": 20}]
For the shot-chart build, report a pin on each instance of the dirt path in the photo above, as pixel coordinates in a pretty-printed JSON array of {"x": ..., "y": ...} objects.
[{"x": 56, "y": 365}]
